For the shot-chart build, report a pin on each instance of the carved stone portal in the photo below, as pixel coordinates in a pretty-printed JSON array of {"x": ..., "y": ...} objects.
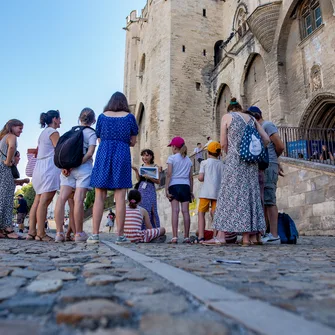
[{"x": 316, "y": 79}]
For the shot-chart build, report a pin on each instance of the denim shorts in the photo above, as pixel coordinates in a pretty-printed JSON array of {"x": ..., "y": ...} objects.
[
  {"x": 270, "y": 185},
  {"x": 180, "y": 192}
]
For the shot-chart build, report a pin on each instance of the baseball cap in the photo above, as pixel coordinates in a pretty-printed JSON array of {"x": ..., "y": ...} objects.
[
  {"x": 255, "y": 110},
  {"x": 214, "y": 147},
  {"x": 177, "y": 142}
]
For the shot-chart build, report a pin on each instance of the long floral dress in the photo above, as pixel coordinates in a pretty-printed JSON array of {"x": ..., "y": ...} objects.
[{"x": 239, "y": 208}]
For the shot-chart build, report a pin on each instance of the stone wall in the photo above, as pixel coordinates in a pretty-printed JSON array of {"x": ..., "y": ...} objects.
[{"x": 306, "y": 193}]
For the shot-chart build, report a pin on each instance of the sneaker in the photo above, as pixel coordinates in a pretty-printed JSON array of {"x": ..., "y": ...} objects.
[
  {"x": 122, "y": 240},
  {"x": 93, "y": 239},
  {"x": 60, "y": 237},
  {"x": 81, "y": 237},
  {"x": 270, "y": 239}
]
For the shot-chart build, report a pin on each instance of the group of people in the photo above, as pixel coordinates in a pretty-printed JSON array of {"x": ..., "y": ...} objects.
[{"x": 239, "y": 195}]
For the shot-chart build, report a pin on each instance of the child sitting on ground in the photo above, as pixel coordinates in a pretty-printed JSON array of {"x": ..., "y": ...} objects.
[
  {"x": 210, "y": 173},
  {"x": 133, "y": 222}
]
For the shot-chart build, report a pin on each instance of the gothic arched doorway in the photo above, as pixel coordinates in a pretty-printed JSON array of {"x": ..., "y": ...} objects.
[{"x": 223, "y": 98}]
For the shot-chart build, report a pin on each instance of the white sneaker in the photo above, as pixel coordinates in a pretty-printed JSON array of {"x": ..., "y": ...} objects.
[{"x": 270, "y": 239}]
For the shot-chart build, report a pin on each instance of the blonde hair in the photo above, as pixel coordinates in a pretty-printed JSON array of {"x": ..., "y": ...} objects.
[
  {"x": 7, "y": 129},
  {"x": 183, "y": 150}
]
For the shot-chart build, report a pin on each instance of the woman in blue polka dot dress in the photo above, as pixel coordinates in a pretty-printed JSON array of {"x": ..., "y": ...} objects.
[{"x": 116, "y": 130}]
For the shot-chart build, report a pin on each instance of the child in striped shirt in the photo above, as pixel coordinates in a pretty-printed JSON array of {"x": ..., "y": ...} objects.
[{"x": 135, "y": 215}]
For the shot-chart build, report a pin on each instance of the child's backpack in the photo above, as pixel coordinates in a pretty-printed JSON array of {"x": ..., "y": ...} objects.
[
  {"x": 69, "y": 149},
  {"x": 251, "y": 148},
  {"x": 286, "y": 229}
]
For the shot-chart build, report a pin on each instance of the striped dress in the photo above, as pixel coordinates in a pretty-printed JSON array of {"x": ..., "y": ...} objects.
[{"x": 133, "y": 227}]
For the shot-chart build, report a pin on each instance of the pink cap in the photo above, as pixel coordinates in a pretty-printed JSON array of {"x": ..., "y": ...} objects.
[{"x": 177, "y": 142}]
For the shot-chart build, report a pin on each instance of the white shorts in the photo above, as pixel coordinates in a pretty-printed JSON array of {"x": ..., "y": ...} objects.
[{"x": 80, "y": 177}]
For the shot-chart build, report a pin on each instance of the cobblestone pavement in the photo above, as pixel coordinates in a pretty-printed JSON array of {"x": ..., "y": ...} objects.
[
  {"x": 299, "y": 278},
  {"x": 49, "y": 288}
]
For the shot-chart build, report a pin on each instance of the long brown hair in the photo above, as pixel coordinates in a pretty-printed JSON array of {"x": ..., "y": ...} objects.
[
  {"x": 46, "y": 118},
  {"x": 117, "y": 103},
  {"x": 183, "y": 150},
  {"x": 7, "y": 129},
  {"x": 87, "y": 116}
]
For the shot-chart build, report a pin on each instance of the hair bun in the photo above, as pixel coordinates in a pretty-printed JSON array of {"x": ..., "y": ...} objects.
[{"x": 233, "y": 100}]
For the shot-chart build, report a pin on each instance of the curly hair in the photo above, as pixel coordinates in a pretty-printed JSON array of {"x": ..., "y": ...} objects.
[{"x": 149, "y": 152}]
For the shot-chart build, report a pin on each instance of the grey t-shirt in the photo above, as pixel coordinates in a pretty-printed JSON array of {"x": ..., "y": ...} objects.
[{"x": 271, "y": 129}]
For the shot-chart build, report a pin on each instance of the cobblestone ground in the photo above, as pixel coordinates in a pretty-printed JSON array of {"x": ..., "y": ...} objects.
[
  {"x": 49, "y": 288},
  {"x": 299, "y": 278}
]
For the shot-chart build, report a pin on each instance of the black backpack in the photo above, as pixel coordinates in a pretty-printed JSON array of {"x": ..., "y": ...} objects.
[{"x": 69, "y": 149}]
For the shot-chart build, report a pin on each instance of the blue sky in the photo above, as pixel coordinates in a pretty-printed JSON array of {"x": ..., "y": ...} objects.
[{"x": 63, "y": 54}]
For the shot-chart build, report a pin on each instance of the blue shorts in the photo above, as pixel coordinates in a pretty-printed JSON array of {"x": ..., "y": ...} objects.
[{"x": 180, "y": 192}]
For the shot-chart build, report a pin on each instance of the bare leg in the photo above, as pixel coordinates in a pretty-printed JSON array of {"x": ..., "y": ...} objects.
[
  {"x": 72, "y": 227},
  {"x": 272, "y": 214},
  {"x": 201, "y": 224},
  {"x": 175, "y": 217},
  {"x": 98, "y": 208},
  {"x": 79, "y": 197},
  {"x": 44, "y": 202},
  {"x": 120, "y": 207},
  {"x": 185, "y": 208},
  {"x": 64, "y": 194},
  {"x": 32, "y": 216},
  {"x": 246, "y": 238}
]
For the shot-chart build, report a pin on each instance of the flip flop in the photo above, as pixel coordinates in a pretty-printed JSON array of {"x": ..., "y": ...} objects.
[
  {"x": 174, "y": 240},
  {"x": 215, "y": 242},
  {"x": 30, "y": 237},
  {"x": 45, "y": 238}
]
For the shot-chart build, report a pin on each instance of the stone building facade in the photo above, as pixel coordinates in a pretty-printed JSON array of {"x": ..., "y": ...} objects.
[{"x": 185, "y": 59}]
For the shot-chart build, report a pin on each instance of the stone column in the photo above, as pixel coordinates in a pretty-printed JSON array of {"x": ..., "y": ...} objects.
[{"x": 333, "y": 3}]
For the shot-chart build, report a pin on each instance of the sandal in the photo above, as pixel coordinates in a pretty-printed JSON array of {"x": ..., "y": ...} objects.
[
  {"x": 7, "y": 233},
  {"x": 69, "y": 238},
  {"x": 213, "y": 242},
  {"x": 174, "y": 240},
  {"x": 245, "y": 244},
  {"x": 186, "y": 240},
  {"x": 45, "y": 238},
  {"x": 196, "y": 240},
  {"x": 30, "y": 237}
]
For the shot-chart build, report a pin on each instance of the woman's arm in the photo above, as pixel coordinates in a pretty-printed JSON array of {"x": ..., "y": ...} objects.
[
  {"x": 89, "y": 154},
  {"x": 133, "y": 140},
  {"x": 54, "y": 137},
  {"x": 138, "y": 177},
  {"x": 11, "y": 143},
  {"x": 146, "y": 219},
  {"x": 225, "y": 122}
]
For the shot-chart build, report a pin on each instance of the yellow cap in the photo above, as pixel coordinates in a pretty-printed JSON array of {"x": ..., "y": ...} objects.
[{"x": 214, "y": 147}]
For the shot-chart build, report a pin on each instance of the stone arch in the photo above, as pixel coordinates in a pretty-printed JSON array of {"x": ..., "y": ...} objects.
[
  {"x": 255, "y": 85},
  {"x": 240, "y": 20},
  {"x": 222, "y": 101},
  {"x": 218, "y": 52},
  {"x": 320, "y": 113}
]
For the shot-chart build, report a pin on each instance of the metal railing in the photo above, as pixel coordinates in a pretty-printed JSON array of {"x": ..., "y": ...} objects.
[{"x": 312, "y": 144}]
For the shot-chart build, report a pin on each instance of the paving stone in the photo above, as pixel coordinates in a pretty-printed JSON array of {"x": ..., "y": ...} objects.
[
  {"x": 45, "y": 286},
  {"x": 18, "y": 327},
  {"x": 55, "y": 274},
  {"x": 114, "y": 331},
  {"x": 6, "y": 293},
  {"x": 103, "y": 280},
  {"x": 5, "y": 272},
  {"x": 82, "y": 292},
  {"x": 134, "y": 276},
  {"x": 92, "y": 309},
  {"x": 29, "y": 305},
  {"x": 74, "y": 269},
  {"x": 25, "y": 273},
  {"x": 96, "y": 266},
  {"x": 12, "y": 282},
  {"x": 139, "y": 288},
  {"x": 160, "y": 303},
  {"x": 165, "y": 324}
]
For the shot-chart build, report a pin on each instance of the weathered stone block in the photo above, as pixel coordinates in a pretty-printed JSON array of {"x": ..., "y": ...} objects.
[
  {"x": 325, "y": 208},
  {"x": 296, "y": 200},
  {"x": 315, "y": 197}
]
